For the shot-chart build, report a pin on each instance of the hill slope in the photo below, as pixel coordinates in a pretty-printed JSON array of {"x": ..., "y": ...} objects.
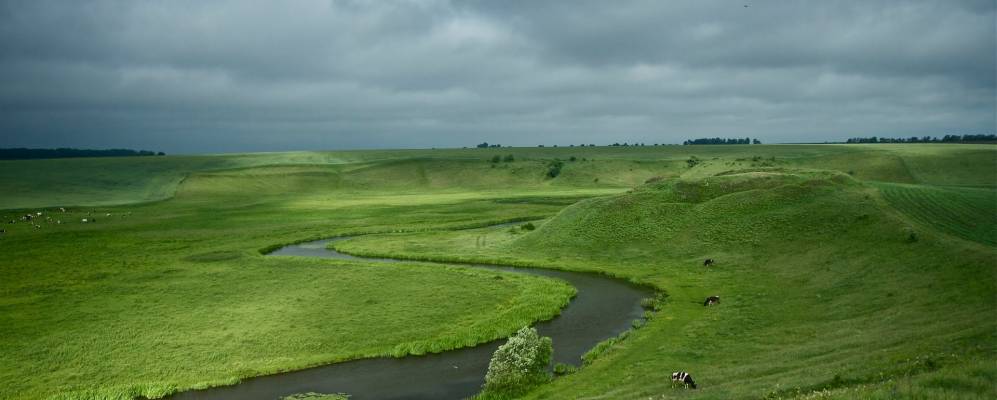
[{"x": 822, "y": 287}]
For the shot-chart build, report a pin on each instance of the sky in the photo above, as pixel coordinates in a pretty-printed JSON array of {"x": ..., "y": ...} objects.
[{"x": 247, "y": 75}]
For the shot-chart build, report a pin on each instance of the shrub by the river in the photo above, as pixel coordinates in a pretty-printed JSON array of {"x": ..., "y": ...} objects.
[
  {"x": 519, "y": 364},
  {"x": 561, "y": 369}
]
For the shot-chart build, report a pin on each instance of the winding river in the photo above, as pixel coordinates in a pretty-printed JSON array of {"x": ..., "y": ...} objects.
[{"x": 603, "y": 307}]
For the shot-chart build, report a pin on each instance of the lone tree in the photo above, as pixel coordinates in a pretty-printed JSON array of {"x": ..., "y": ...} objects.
[
  {"x": 554, "y": 168},
  {"x": 519, "y": 364}
]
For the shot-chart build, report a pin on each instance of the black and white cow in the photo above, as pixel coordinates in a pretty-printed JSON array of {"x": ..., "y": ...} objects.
[
  {"x": 708, "y": 263},
  {"x": 684, "y": 378},
  {"x": 712, "y": 300}
]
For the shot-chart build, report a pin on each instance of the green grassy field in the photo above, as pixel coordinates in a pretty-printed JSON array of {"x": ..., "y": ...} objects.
[
  {"x": 969, "y": 213},
  {"x": 845, "y": 271}
]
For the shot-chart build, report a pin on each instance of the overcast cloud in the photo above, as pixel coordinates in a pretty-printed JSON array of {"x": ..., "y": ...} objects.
[{"x": 199, "y": 76}]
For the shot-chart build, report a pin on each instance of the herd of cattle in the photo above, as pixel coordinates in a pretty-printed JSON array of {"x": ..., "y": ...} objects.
[
  {"x": 38, "y": 218},
  {"x": 681, "y": 377}
]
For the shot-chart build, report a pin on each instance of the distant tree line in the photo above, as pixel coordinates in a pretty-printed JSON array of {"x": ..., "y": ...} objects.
[
  {"x": 926, "y": 139},
  {"x": 485, "y": 145},
  {"x": 29, "y": 154},
  {"x": 625, "y": 144},
  {"x": 721, "y": 141}
]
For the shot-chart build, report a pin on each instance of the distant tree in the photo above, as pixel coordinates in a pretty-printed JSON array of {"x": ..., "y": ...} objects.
[
  {"x": 717, "y": 141},
  {"x": 554, "y": 168},
  {"x": 756, "y": 141},
  {"x": 482, "y": 145},
  {"x": 926, "y": 139}
]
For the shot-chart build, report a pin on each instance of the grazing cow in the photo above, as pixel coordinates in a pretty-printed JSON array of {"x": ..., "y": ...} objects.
[
  {"x": 84, "y": 220},
  {"x": 684, "y": 378},
  {"x": 708, "y": 262},
  {"x": 712, "y": 300},
  {"x": 108, "y": 215},
  {"x": 62, "y": 209}
]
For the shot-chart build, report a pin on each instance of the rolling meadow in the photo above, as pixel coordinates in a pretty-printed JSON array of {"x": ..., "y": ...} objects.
[{"x": 844, "y": 271}]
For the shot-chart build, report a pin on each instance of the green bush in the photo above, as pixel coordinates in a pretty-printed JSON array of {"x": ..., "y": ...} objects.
[
  {"x": 554, "y": 168},
  {"x": 496, "y": 158},
  {"x": 527, "y": 226},
  {"x": 520, "y": 363},
  {"x": 692, "y": 161},
  {"x": 561, "y": 369},
  {"x": 509, "y": 158},
  {"x": 654, "y": 303}
]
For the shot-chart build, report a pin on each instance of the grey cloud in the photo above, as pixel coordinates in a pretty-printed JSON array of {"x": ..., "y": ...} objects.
[{"x": 189, "y": 76}]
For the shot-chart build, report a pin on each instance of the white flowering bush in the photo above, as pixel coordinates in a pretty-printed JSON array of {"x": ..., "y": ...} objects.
[{"x": 519, "y": 363}]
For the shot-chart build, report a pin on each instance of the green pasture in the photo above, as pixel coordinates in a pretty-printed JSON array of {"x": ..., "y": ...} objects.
[{"x": 845, "y": 271}]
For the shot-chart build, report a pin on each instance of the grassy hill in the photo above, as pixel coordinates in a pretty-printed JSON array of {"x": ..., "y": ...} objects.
[
  {"x": 969, "y": 213},
  {"x": 825, "y": 293},
  {"x": 845, "y": 271},
  {"x": 112, "y": 181}
]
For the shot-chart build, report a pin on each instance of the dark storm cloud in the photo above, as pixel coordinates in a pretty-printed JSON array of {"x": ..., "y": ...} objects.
[{"x": 218, "y": 76}]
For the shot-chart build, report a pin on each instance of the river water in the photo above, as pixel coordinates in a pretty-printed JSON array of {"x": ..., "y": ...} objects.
[{"x": 603, "y": 307}]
